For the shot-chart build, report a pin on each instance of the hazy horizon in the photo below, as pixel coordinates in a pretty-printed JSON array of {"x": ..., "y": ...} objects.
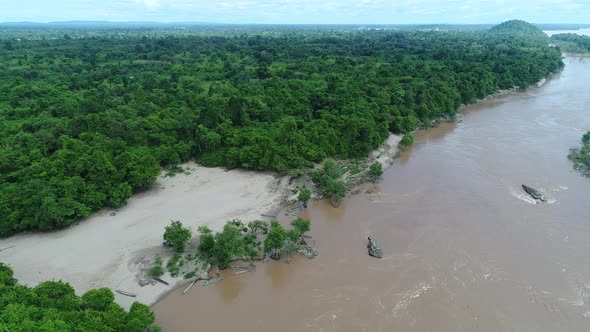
[{"x": 299, "y": 12}]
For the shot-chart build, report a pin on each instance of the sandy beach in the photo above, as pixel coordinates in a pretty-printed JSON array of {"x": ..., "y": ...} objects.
[
  {"x": 110, "y": 248},
  {"x": 103, "y": 250}
]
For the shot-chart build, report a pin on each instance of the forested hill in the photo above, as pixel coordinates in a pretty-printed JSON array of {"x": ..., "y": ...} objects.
[
  {"x": 521, "y": 29},
  {"x": 86, "y": 122}
]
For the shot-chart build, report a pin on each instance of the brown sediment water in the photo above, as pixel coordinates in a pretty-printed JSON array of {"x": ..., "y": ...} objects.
[{"x": 465, "y": 249}]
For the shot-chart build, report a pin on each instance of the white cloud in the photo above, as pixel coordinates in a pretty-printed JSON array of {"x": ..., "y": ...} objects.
[{"x": 151, "y": 5}]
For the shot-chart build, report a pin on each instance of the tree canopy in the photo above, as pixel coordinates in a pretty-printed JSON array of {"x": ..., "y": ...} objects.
[
  {"x": 85, "y": 122},
  {"x": 54, "y": 306},
  {"x": 571, "y": 42},
  {"x": 176, "y": 236}
]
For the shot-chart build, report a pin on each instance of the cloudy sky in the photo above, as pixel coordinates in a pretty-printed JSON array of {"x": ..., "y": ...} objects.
[{"x": 299, "y": 11}]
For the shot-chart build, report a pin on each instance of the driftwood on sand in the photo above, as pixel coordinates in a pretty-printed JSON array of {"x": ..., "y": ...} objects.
[
  {"x": 190, "y": 286},
  {"x": 240, "y": 272},
  {"x": 240, "y": 267},
  {"x": 212, "y": 281},
  {"x": 125, "y": 293},
  {"x": 161, "y": 281}
]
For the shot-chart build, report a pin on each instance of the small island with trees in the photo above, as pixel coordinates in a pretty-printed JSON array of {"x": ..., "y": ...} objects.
[{"x": 581, "y": 156}]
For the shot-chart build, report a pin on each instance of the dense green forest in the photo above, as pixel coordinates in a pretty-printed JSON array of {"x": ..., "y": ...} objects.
[
  {"x": 581, "y": 156},
  {"x": 86, "y": 122},
  {"x": 54, "y": 306},
  {"x": 572, "y": 43}
]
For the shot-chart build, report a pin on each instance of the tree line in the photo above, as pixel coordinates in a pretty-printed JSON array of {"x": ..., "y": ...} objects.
[
  {"x": 572, "y": 43},
  {"x": 54, "y": 306},
  {"x": 87, "y": 122}
]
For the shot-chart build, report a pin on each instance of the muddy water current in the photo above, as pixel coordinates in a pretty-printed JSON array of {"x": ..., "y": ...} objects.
[{"x": 465, "y": 249}]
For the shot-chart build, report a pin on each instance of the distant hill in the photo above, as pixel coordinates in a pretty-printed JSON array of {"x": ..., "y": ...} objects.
[{"x": 520, "y": 29}]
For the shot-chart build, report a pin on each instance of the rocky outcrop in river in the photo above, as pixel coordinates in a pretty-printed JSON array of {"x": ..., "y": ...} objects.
[
  {"x": 374, "y": 249},
  {"x": 534, "y": 193}
]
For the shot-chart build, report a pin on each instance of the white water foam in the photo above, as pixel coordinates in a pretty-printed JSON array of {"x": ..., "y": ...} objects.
[
  {"x": 409, "y": 296},
  {"x": 523, "y": 197}
]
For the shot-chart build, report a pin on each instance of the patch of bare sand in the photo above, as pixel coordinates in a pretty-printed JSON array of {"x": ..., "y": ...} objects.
[
  {"x": 109, "y": 250},
  {"x": 387, "y": 152}
]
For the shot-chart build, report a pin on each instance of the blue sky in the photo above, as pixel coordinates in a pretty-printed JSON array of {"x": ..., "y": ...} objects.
[{"x": 298, "y": 11}]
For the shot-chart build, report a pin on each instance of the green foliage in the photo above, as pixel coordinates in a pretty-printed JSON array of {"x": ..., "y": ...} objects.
[
  {"x": 139, "y": 317},
  {"x": 375, "y": 171},
  {"x": 336, "y": 190},
  {"x": 6, "y": 273},
  {"x": 581, "y": 156},
  {"x": 517, "y": 28},
  {"x": 298, "y": 172},
  {"x": 98, "y": 299},
  {"x": 332, "y": 170},
  {"x": 173, "y": 265},
  {"x": 177, "y": 236},
  {"x": 275, "y": 239},
  {"x": 206, "y": 240},
  {"x": 54, "y": 306},
  {"x": 304, "y": 196},
  {"x": 328, "y": 183},
  {"x": 157, "y": 270},
  {"x": 86, "y": 122},
  {"x": 257, "y": 227},
  {"x": 228, "y": 244},
  {"x": 571, "y": 42},
  {"x": 301, "y": 226},
  {"x": 407, "y": 140}
]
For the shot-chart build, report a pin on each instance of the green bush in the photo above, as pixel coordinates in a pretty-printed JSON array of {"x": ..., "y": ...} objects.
[
  {"x": 407, "y": 140},
  {"x": 98, "y": 299},
  {"x": 304, "y": 196},
  {"x": 157, "y": 270},
  {"x": 375, "y": 171},
  {"x": 581, "y": 156},
  {"x": 173, "y": 265},
  {"x": 176, "y": 236}
]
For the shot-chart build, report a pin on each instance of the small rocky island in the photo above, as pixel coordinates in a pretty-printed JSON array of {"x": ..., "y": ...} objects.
[
  {"x": 534, "y": 193},
  {"x": 374, "y": 249}
]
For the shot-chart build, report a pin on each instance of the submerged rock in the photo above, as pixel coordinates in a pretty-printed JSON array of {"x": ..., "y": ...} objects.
[
  {"x": 307, "y": 251},
  {"x": 534, "y": 193},
  {"x": 374, "y": 249}
]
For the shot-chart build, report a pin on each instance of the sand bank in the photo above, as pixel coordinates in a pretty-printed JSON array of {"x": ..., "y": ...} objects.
[
  {"x": 111, "y": 248},
  {"x": 104, "y": 250}
]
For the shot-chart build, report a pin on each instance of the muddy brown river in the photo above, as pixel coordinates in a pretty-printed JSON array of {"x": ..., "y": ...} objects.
[{"x": 464, "y": 248}]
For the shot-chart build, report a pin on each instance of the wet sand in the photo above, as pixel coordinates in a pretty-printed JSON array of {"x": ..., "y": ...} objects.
[{"x": 464, "y": 248}]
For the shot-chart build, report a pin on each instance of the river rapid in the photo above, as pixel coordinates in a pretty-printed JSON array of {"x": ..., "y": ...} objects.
[{"x": 465, "y": 249}]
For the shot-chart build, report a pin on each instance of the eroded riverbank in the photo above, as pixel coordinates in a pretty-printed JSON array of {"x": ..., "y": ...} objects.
[{"x": 463, "y": 251}]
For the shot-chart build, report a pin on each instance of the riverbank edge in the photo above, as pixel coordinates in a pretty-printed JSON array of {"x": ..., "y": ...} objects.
[
  {"x": 282, "y": 197},
  {"x": 386, "y": 154}
]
